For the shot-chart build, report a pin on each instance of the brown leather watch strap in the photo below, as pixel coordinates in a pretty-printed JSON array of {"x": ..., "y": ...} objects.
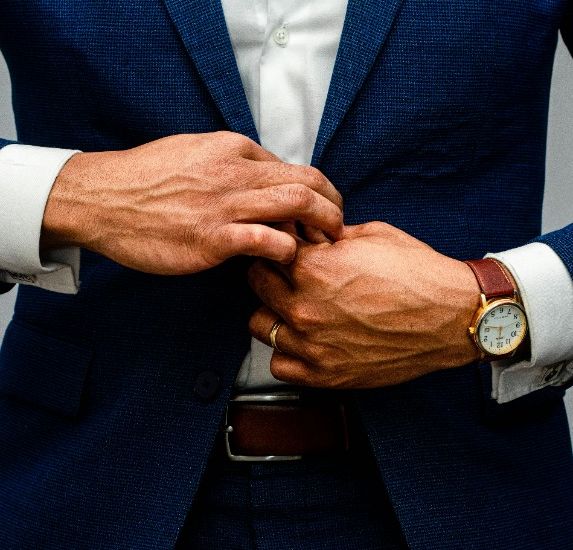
[{"x": 492, "y": 278}]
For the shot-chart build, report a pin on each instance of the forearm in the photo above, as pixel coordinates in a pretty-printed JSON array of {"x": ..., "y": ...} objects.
[{"x": 180, "y": 204}]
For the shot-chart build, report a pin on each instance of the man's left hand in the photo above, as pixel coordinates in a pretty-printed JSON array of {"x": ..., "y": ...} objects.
[{"x": 376, "y": 308}]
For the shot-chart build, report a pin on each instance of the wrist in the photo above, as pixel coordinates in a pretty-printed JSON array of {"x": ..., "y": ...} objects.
[
  {"x": 68, "y": 213},
  {"x": 467, "y": 301},
  {"x": 499, "y": 326}
]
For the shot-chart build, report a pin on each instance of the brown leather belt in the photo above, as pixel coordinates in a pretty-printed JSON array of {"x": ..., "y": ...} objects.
[{"x": 283, "y": 426}]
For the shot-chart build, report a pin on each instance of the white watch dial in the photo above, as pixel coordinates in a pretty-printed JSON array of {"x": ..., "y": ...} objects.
[{"x": 502, "y": 328}]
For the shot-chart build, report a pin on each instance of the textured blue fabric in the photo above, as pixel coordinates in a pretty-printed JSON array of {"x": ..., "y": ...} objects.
[
  {"x": 436, "y": 121},
  {"x": 325, "y": 503},
  {"x": 4, "y": 142},
  {"x": 3, "y": 286},
  {"x": 561, "y": 241},
  {"x": 61, "y": 366}
]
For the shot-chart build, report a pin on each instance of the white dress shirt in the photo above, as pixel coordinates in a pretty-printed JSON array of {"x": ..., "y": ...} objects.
[{"x": 285, "y": 52}]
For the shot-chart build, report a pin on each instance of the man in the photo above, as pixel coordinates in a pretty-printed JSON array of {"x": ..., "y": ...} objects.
[{"x": 138, "y": 413}]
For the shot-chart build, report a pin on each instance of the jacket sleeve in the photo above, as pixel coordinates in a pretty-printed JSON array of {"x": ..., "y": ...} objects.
[
  {"x": 561, "y": 241},
  {"x": 5, "y": 287},
  {"x": 543, "y": 271}
]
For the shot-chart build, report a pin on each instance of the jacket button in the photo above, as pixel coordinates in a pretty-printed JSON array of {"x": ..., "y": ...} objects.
[{"x": 207, "y": 385}]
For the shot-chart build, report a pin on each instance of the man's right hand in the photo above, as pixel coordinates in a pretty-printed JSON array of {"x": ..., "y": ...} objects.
[{"x": 186, "y": 203}]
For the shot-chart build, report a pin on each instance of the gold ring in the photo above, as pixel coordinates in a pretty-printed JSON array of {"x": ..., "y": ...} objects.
[{"x": 273, "y": 334}]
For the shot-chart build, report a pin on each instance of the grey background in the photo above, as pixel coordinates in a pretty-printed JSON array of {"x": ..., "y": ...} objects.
[{"x": 558, "y": 205}]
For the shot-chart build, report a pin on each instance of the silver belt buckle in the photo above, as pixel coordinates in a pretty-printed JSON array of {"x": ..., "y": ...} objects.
[{"x": 258, "y": 398}]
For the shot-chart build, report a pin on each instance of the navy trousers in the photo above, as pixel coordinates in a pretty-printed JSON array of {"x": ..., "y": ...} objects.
[{"x": 332, "y": 503}]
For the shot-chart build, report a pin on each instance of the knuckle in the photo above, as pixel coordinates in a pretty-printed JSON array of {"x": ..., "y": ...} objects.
[
  {"x": 339, "y": 198},
  {"x": 320, "y": 181},
  {"x": 300, "y": 317},
  {"x": 254, "y": 237},
  {"x": 300, "y": 196},
  {"x": 229, "y": 139},
  {"x": 338, "y": 217},
  {"x": 379, "y": 226},
  {"x": 307, "y": 266},
  {"x": 226, "y": 135},
  {"x": 238, "y": 141},
  {"x": 300, "y": 273},
  {"x": 314, "y": 175}
]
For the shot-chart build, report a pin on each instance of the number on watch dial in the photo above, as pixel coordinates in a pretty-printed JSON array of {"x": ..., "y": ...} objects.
[{"x": 502, "y": 329}]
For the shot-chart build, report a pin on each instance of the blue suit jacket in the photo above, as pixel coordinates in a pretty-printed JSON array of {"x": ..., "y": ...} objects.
[{"x": 111, "y": 399}]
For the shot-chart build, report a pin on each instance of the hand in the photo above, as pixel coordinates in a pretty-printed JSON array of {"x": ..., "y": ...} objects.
[
  {"x": 377, "y": 308},
  {"x": 186, "y": 203}
]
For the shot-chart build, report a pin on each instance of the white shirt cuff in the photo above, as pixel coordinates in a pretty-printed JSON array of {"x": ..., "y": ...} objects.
[
  {"x": 546, "y": 289},
  {"x": 27, "y": 174}
]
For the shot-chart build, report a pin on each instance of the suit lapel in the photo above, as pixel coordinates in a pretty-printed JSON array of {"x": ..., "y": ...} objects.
[
  {"x": 366, "y": 28},
  {"x": 201, "y": 25}
]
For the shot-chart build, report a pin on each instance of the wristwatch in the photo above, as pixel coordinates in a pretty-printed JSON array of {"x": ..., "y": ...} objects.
[{"x": 499, "y": 326}]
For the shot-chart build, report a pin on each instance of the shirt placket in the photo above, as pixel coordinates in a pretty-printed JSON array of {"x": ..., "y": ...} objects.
[{"x": 280, "y": 102}]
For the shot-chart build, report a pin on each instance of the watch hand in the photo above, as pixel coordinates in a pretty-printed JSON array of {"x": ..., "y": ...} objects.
[{"x": 511, "y": 324}]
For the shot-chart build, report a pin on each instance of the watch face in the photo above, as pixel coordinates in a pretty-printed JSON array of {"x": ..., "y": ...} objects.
[{"x": 502, "y": 327}]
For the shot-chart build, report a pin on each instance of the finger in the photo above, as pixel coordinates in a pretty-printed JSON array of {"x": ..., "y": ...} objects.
[
  {"x": 303, "y": 233},
  {"x": 255, "y": 240},
  {"x": 296, "y": 229},
  {"x": 287, "y": 340},
  {"x": 291, "y": 271},
  {"x": 247, "y": 148},
  {"x": 281, "y": 173},
  {"x": 288, "y": 227},
  {"x": 272, "y": 289},
  {"x": 293, "y": 370},
  {"x": 292, "y": 202},
  {"x": 257, "y": 153},
  {"x": 315, "y": 236}
]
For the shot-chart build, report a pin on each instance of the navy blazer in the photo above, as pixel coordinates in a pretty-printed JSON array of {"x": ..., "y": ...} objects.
[{"x": 110, "y": 400}]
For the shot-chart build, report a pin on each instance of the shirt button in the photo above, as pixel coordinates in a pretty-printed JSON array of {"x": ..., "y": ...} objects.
[
  {"x": 281, "y": 36},
  {"x": 207, "y": 385}
]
